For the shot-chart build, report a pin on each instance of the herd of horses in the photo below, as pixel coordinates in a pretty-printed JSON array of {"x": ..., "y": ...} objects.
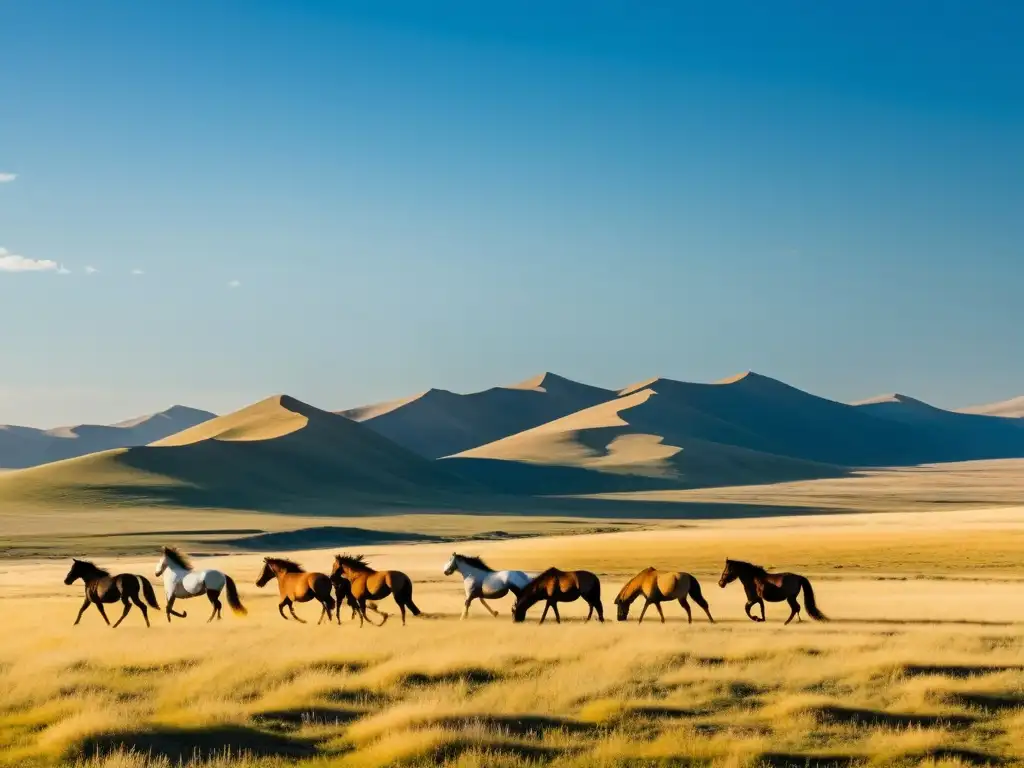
[{"x": 352, "y": 581}]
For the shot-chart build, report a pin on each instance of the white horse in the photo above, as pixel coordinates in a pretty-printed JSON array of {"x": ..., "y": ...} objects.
[
  {"x": 181, "y": 581},
  {"x": 483, "y": 581}
]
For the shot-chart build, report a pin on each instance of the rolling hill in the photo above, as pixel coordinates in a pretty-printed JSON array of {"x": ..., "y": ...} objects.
[
  {"x": 1013, "y": 408},
  {"x": 22, "y": 447},
  {"x": 438, "y": 422},
  {"x": 278, "y": 453}
]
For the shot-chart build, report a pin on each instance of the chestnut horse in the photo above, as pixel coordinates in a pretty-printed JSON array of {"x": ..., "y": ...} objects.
[
  {"x": 555, "y": 586},
  {"x": 343, "y": 593},
  {"x": 297, "y": 586},
  {"x": 101, "y": 587},
  {"x": 368, "y": 584},
  {"x": 657, "y": 586},
  {"x": 773, "y": 587}
]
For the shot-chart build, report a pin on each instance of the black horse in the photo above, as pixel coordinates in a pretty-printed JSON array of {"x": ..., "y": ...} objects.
[
  {"x": 773, "y": 587},
  {"x": 101, "y": 587}
]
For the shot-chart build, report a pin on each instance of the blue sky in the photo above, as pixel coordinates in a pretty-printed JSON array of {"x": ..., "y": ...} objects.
[{"x": 461, "y": 195}]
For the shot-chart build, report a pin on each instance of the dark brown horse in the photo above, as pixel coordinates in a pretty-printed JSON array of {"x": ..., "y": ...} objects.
[
  {"x": 343, "y": 593},
  {"x": 760, "y": 585},
  {"x": 555, "y": 586},
  {"x": 101, "y": 587},
  {"x": 657, "y": 586},
  {"x": 295, "y": 585},
  {"x": 368, "y": 584}
]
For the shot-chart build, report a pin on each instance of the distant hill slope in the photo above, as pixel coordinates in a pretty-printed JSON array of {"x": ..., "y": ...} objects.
[
  {"x": 275, "y": 453},
  {"x": 641, "y": 441},
  {"x": 1013, "y": 408},
  {"x": 22, "y": 447},
  {"x": 439, "y": 423}
]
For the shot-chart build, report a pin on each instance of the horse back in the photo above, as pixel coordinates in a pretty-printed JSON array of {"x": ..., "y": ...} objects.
[{"x": 670, "y": 584}]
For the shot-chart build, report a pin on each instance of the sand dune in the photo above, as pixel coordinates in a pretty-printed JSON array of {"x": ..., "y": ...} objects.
[
  {"x": 642, "y": 440},
  {"x": 277, "y": 452},
  {"x": 1013, "y": 408},
  {"x": 22, "y": 447},
  {"x": 439, "y": 423}
]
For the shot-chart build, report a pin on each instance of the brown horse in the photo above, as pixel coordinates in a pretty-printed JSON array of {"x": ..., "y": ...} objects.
[
  {"x": 773, "y": 587},
  {"x": 343, "y": 592},
  {"x": 555, "y": 586},
  {"x": 101, "y": 587},
  {"x": 657, "y": 586},
  {"x": 368, "y": 584},
  {"x": 297, "y": 586}
]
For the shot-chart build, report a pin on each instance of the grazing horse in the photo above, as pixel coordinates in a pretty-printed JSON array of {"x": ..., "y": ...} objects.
[
  {"x": 480, "y": 580},
  {"x": 101, "y": 587},
  {"x": 555, "y": 586},
  {"x": 657, "y": 586},
  {"x": 773, "y": 587},
  {"x": 295, "y": 585},
  {"x": 368, "y": 584},
  {"x": 181, "y": 581}
]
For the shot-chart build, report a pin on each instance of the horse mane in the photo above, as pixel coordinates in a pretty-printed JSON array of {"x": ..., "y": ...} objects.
[
  {"x": 93, "y": 568},
  {"x": 474, "y": 561},
  {"x": 178, "y": 557},
  {"x": 759, "y": 570},
  {"x": 625, "y": 591},
  {"x": 356, "y": 562},
  {"x": 288, "y": 566},
  {"x": 534, "y": 585}
]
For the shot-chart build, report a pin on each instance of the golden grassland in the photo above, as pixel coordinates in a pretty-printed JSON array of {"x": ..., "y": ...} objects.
[{"x": 922, "y": 664}]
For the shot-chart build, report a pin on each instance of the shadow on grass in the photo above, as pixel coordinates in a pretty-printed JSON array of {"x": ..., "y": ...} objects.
[
  {"x": 964, "y": 756},
  {"x": 470, "y": 676},
  {"x": 987, "y": 702},
  {"x": 453, "y": 751},
  {"x": 517, "y": 725},
  {"x": 297, "y": 717},
  {"x": 961, "y": 671},
  {"x": 186, "y": 745},
  {"x": 787, "y": 760},
  {"x": 873, "y": 717}
]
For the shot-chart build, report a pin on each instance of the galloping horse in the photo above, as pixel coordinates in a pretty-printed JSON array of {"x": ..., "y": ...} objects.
[
  {"x": 295, "y": 585},
  {"x": 101, "y": 587},
  {"x": 657, "y": 586},
  {"x": 181, "y": 581},
  {"x": 368, "y": 584},
  {"x": 555, "y": 586},
  {"x": 343, "y": 593},
  {"x": 773, "y": 587},
  {"x": 480, "y": 580}
]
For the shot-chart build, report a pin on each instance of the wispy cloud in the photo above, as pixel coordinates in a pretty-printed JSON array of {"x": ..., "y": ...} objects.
[
  {"x": 7, "y": 177},
  {"x": 12, "y": 262},
  {"x": 63, "y": 270},
  {"x": 234, "y": 284},
  {"x": 91, "y": 270},
  {"x": 138, "y": 272}
]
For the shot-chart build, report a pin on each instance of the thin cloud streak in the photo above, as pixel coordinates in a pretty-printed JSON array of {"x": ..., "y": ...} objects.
[
  {"x": 234, "y": 283},
  {"x": 7, "y": 177}
]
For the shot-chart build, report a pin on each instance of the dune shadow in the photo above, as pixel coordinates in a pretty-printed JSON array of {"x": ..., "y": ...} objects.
[
  {"x": 189, "y": 745},
  {"x": 873, "y": 718}
]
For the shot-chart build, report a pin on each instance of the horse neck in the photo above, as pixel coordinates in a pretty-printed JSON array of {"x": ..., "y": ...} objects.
[
  {"x": 177, "y": 572},
  {"x": 469, "y": 571},
  {"x": 630, "y": 592}
]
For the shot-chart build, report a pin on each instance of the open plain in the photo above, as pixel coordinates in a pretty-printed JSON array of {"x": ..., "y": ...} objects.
[{"x": 921, "y": 663}]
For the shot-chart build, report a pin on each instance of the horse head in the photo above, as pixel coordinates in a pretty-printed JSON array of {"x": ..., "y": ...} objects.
[
  {"x": 452, "y": 565},
  {"x": 729, "y": 574},
  {"x": 266, "y": 574},
  {"x": 74, "y": 573}
]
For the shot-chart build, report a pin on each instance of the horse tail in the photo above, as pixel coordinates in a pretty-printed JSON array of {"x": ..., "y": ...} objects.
[
  {"x": 233, "y": 601},
  {"x": 147, "y": 591},
  {"x": 406, "y": 597},
  {"x": 811, "y": 605}
]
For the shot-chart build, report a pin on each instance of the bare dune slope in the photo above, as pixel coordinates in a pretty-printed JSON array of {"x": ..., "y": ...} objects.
[
  {"x": 22, "y": 447},
  {"x": 1012, "y": 408},
  {"x": 439, "y": 423},
  {"x": 275, "y": 452},
  {"x": 642, "y": 440}
]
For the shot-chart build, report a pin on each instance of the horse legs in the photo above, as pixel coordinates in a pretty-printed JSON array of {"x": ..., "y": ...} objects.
[
  {"x": 171, "y": 612},
  {"x": 686, "y": 607},
  {"x": 494, "y": 613},
  {"x": 647, "y": 604},
  {"x": 763, "y": 617},
  {"x": 280, "y": 608},
  {"x": 214, "y": 595},
  {"x": 142, "y": 607},
  {"x": 103, "y": 613},
  {"x": 547, "y": 605},
  {"x": 465, "y": 608},
  {"x": 554, "y": 610},
  {"x": 795, "y": 608},
  {"x": 291, "y": 610},
  {"x": 750, "y": 605},
  {"x": 127, "y": 607},
  {"x": 81, "y": 610},
  {"x": 401, "y": 607}
]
